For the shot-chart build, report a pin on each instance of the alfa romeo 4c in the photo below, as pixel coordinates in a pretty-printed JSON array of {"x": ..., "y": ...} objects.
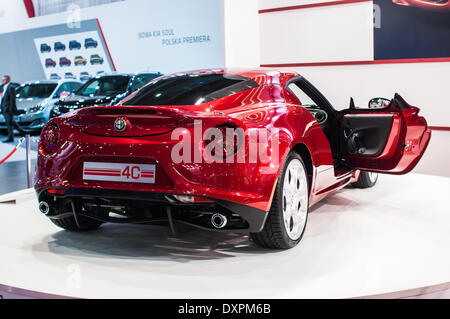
[{"x": 228, "y": 151}]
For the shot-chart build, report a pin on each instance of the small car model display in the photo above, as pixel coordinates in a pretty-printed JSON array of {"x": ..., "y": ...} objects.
[
  {"x": 425, "y": 4},
  {"x": 90, "y": 43},
  {"x": 59, "y": 46},
  {"x": 64, "y": 62},
  {"x": 50, "y": 63},
  {"x": 36, "y": 100},
  {"x": 229, "y": 151},
  {"x": 69, "y": 75},
  {"x": 45, "y": 48},
  {"x": 85, "y": 76},
  {"x": 74, "y": 45},
  {"x": 103, "y": 90},
  {"x": 79, "y": 60},
  {"x": 96, "y": 59},
  {"x": 55, "y": 76}
]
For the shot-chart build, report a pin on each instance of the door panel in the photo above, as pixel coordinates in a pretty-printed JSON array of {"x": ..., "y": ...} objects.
[
  {"x": 366, "y": 134},
  {"x": 391, "y": 140}
]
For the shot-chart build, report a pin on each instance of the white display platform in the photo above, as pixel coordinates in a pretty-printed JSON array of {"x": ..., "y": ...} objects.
[
  {"x": 385, "y": 240},
  {"x": 19, "y": 155}
]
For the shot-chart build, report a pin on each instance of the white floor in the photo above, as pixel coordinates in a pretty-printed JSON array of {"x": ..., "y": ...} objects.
[
  {"x": 19, "y": 155},
  {"x": 391, "y": 238}
]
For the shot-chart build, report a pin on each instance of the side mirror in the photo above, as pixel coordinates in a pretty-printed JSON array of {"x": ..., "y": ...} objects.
[
  {"x": 379, "y": 103},
  {"x": 64, "y": 95}
]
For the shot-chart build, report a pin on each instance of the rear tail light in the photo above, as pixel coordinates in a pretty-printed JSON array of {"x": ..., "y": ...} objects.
[
  {"x": 230, "y": 143},
  {"x": 50, "y": 137}
]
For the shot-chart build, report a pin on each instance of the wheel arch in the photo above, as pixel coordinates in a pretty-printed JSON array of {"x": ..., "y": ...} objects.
[{"x": 302, "y": 150}]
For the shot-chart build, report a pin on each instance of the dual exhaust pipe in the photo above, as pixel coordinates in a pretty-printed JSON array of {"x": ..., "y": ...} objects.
[{"x": 218, "y": 221}]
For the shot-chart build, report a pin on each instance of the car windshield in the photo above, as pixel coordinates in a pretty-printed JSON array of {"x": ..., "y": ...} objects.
[
  {"x": 39, "y": 91},
  {"x": 190, "y": 89},
  {"x": 107, "y": 85},
  {"x": 140, "y": 80}
]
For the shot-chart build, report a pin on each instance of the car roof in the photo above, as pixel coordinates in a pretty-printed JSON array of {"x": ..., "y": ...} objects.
[
  {"x": 148, "y": 72},
  {"x": 58, "y": 82},
  {"x": 101, "y": 75}
]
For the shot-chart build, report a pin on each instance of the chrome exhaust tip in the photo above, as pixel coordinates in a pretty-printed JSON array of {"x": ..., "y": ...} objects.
[
  {"x": 44, "y": 208},
  {"x": 219, "y": 221}
]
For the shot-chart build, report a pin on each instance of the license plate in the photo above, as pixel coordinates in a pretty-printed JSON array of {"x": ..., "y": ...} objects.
[{"x": 118, "y": 172}]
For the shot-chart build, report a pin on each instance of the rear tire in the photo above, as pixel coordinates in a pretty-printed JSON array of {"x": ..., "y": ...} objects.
[
  {"x": 366, "y": 180},
  {"x": 286, "y": 222}
]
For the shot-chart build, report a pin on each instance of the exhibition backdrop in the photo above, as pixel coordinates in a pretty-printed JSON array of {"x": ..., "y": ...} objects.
[
  {"x": 409, "y": 32},
  {"x": 23, "y": 57},
  {"x": 44, "y": 7},
  {"x": 132, "y": 35}
]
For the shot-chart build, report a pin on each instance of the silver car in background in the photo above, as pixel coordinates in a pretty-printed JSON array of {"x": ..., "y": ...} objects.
[{"x": 35, "y": 100}]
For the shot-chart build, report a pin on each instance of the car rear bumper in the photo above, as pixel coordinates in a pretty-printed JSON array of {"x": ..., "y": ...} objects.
[
  {"x": 242, "y": 183},
  {"x": 149, "y": 207}
]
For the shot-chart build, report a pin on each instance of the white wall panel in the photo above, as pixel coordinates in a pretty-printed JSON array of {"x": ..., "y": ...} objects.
[
  {"x": 341, "y": 33},
  {"x": 322, "y": 34},
  {"x": 424, "y": 85},
  {"x": 241, "y": 29}
]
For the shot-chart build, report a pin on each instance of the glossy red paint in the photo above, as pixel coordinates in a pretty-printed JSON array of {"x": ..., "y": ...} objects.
[
  {"x": 270, "y": 106},
  {"x": 425, "y": 4}
]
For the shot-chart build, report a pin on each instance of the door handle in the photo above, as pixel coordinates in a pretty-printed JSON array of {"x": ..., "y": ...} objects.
[{"x": 355, "y": 143}]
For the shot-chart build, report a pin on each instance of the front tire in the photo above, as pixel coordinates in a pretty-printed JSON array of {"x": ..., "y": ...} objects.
[
  {"x": 288, "y": 214},
  {"x": 366, "y": 180}
]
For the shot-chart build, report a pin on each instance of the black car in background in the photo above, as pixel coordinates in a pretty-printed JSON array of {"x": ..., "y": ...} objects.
[
  {"x": 74, "y": 45},
  {"x": 90, "y": 43},
  {"x": 59, "y": 46},
  {"x": 45, "y": 48},
  {"x": 103, "y": 90}
]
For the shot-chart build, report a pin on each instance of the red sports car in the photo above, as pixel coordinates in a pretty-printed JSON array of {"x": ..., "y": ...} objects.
[
  {"x": 247, "y": 152},
  {"x": 426, "y": 4}
]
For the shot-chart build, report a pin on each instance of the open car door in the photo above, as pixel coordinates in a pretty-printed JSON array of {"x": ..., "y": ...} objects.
[{"x": 390, "y": 139}]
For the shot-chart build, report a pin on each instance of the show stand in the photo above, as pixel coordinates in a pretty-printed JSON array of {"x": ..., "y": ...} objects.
[{"x": 387, "y": 241}]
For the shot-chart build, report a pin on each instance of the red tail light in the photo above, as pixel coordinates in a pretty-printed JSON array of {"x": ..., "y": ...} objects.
[
  {"x": 231, "y": 139},
  {"x": 50, "y": 137}
]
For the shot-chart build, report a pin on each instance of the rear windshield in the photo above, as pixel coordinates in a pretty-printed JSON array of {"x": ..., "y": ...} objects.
[
  {"x": 40, "y": 91},
  {"x": 190, "y": 89}
]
